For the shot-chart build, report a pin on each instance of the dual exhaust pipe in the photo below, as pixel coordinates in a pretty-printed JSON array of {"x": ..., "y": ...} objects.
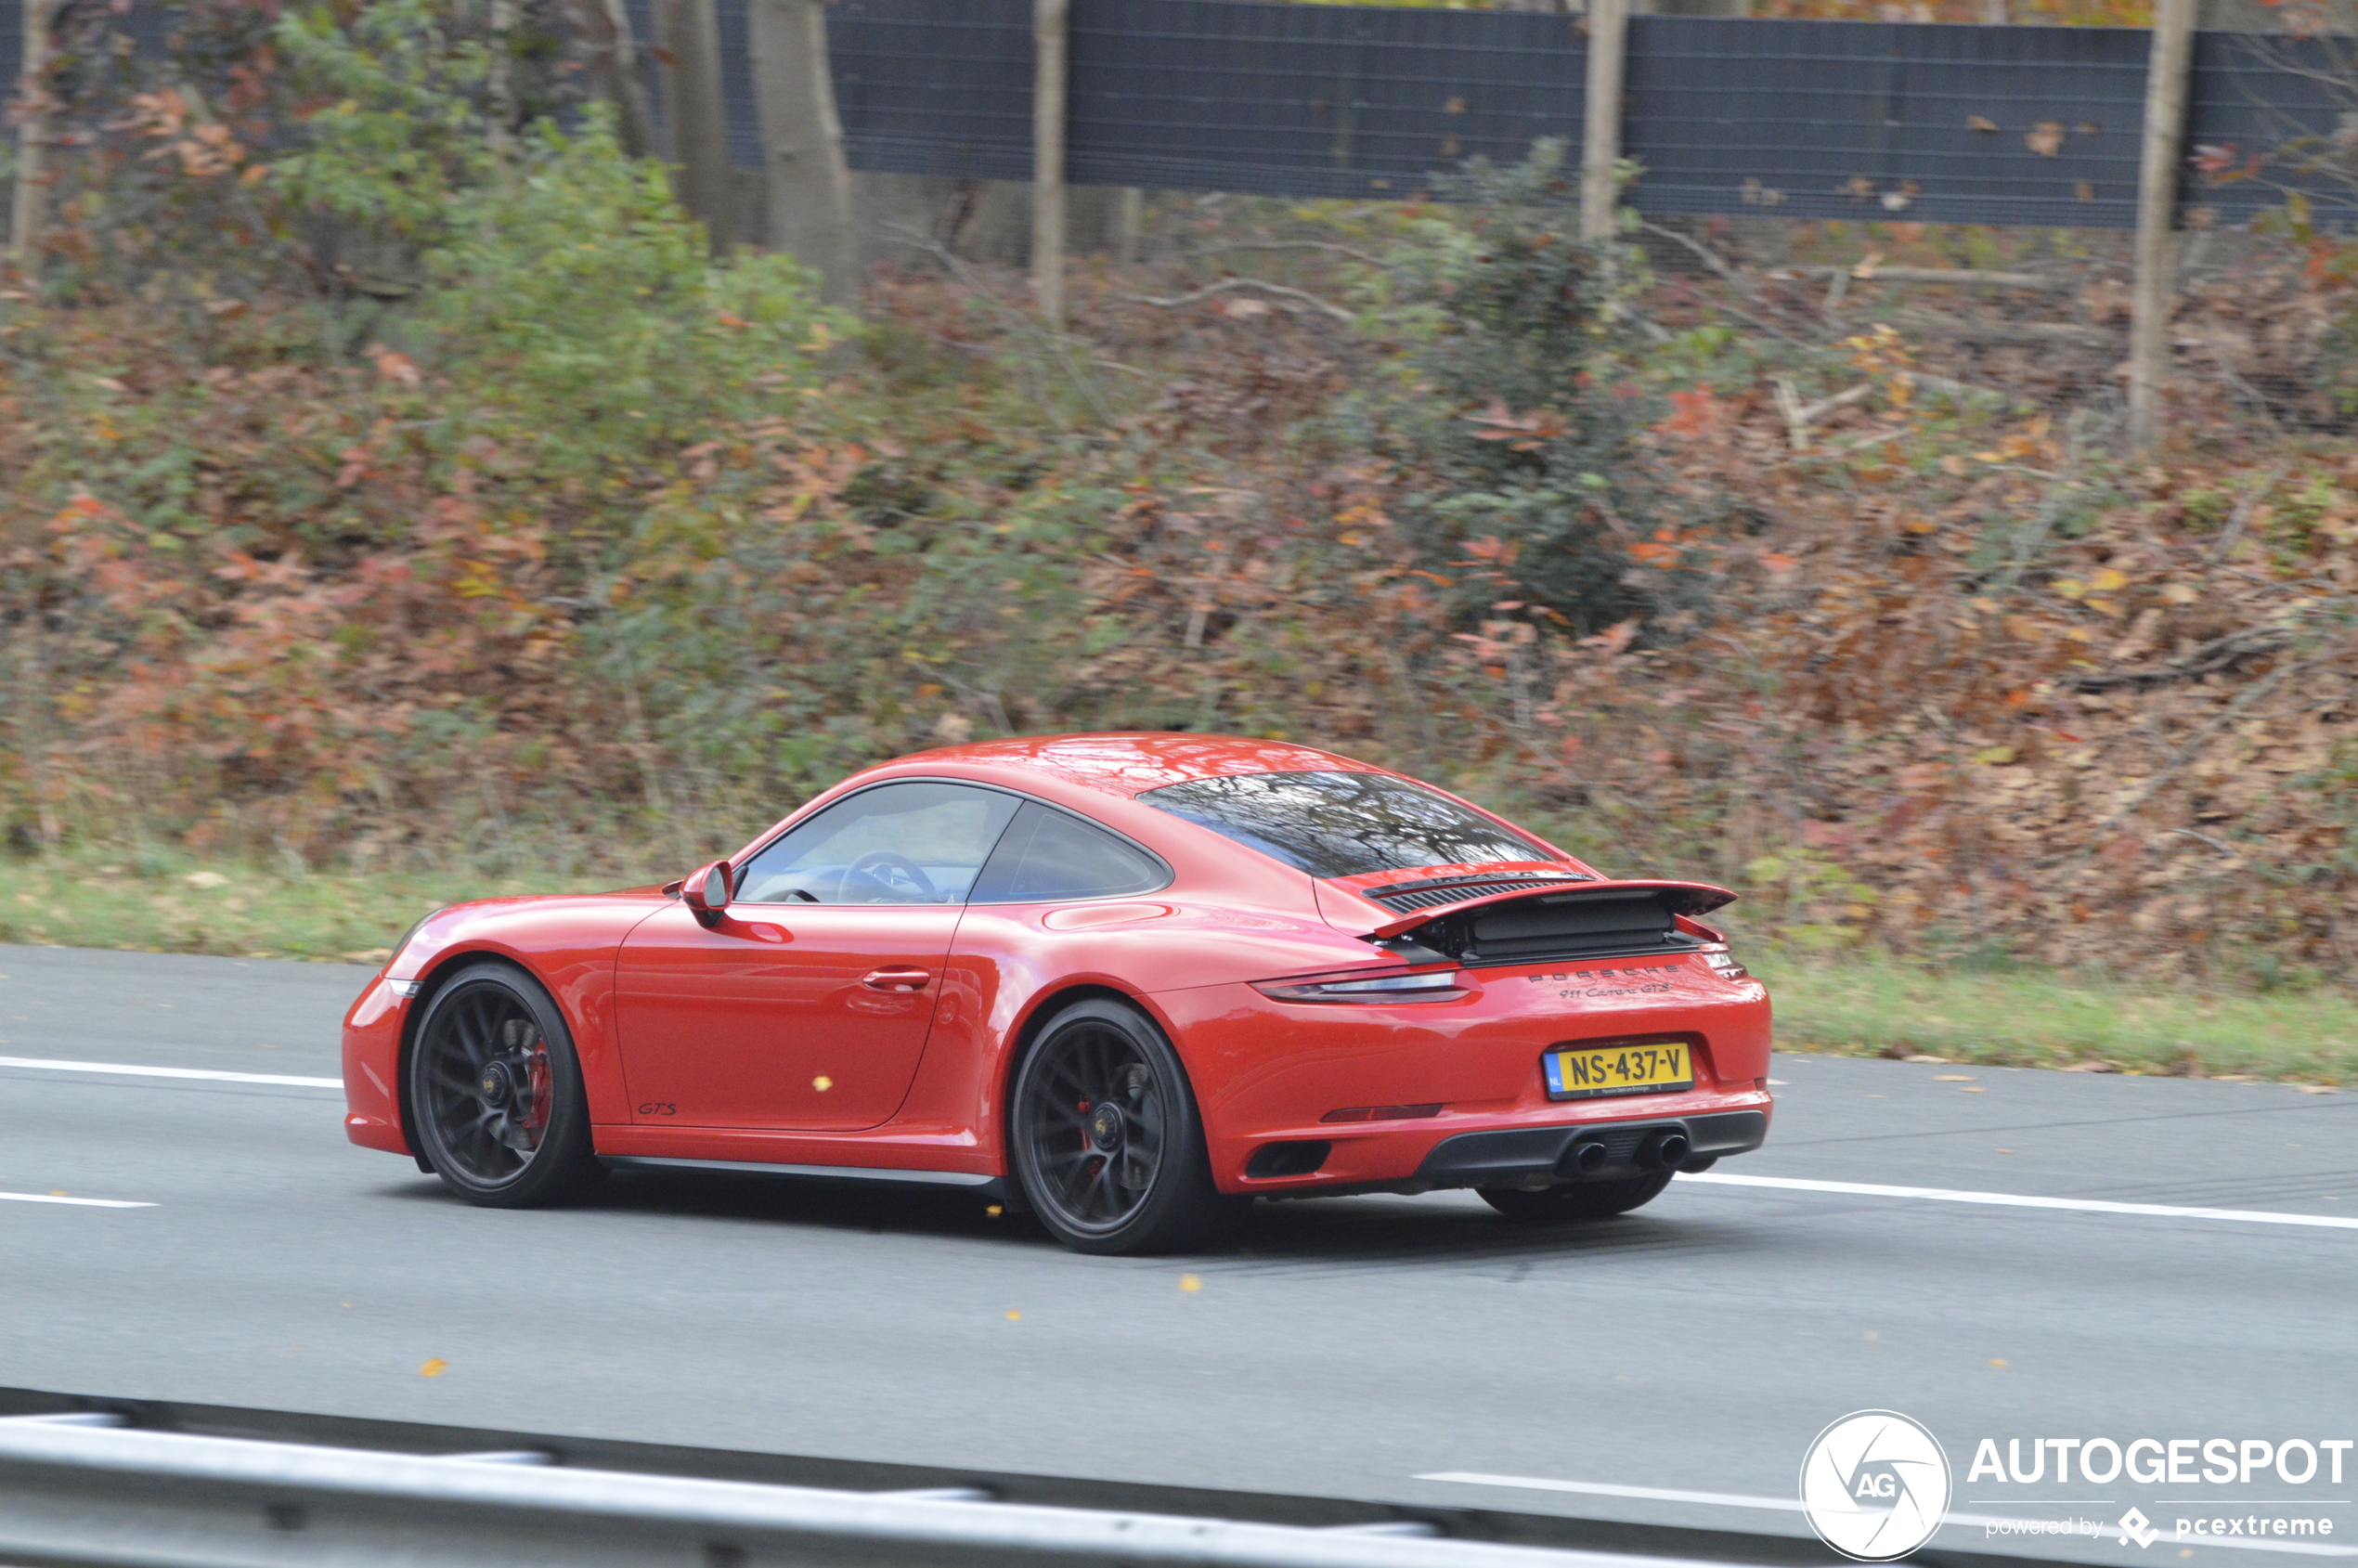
[{"x": 1666, "y": 1148}]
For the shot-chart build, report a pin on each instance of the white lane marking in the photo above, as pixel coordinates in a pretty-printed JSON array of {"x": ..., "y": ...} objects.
[
  {"x": 2023, "y": 1200},
  {"x": 1606, "y": 1489},
  {"x": 78, "y": 1202},
  {"x": 2011, "y": 1526},
  {"x": 205, "y": 1074}
]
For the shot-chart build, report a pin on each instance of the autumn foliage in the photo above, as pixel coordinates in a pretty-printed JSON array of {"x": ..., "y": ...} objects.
[{"x": 589, "y": 550}]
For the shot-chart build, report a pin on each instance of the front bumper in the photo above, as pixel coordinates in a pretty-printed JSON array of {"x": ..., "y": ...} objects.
[{"x": 372, "y": 1069}]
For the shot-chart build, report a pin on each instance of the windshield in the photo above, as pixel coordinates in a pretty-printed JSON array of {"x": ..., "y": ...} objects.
[{"x": 1345, "y": 824}]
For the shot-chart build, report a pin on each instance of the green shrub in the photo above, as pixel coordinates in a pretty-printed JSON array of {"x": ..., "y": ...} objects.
[
  {"x": 578, "y": 312},
  {"x": 1520, "y": 407}
]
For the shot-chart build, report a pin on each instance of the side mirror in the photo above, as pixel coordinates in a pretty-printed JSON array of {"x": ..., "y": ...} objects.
[{"x": 707, "y": 892}]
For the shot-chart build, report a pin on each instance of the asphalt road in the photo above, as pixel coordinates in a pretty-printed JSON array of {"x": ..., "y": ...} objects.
[{"x": 1350, "y": 1348}]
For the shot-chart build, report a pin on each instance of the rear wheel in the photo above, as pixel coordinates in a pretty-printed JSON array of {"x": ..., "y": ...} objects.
[
  {"x": 1106, "y": 1144},
  {"x": 1575, "y": 1200},
  {"x": 495, "y": 1093}
]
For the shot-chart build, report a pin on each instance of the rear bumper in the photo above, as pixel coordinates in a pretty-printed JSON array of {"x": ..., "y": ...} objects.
[
  {"x": 1463, "y": 1075},
  {"x": 1532, "y": 1149},
  {"x": 1522, "y": 1154}
]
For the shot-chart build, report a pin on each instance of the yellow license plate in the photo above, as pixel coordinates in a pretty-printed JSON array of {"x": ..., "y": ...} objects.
[{"x": 1649, "y": 1069}]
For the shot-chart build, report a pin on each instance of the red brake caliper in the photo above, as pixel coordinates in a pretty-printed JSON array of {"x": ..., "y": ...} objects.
[{"x": 537, "y": 1117}]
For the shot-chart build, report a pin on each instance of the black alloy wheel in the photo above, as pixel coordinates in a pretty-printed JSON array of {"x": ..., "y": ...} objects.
[
  {"x": 495, "y": 1093},
  {"x": 1575, "y": 1200},
  {"x": 1106, "y": 1141}
]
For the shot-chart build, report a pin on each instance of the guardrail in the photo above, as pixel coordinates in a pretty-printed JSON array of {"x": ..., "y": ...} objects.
[{"x": 85, "y": 1488}]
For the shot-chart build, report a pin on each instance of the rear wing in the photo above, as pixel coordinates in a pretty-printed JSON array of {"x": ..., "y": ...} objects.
[{"x": 1593, "y": 918}]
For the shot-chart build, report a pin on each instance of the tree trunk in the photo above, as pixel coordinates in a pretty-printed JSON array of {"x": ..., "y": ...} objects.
[
  {"x": 2155, "y": 287},
  {"x": 26, "y": 206},
  {"x": 1601, "y": 142},
  {"x": 808, "y": 187},
  {"x": 1049, "y": 20},
  {"x": 691, "y": 37},
  {"x": 499, "y": 95},
  {"x": 606, "y": 24}
]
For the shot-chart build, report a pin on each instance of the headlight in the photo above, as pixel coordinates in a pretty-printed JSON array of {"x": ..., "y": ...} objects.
[{"x": 1437, "y": 985}]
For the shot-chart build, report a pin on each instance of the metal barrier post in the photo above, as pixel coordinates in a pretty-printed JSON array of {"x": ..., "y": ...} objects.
[{"x": 2156, "y": 284}]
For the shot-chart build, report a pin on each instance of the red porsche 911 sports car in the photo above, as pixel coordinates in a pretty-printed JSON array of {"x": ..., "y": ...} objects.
[{"x": 1126, "y": 982}]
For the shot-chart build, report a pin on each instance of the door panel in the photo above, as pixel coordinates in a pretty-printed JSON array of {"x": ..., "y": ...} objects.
[{"x": 792, "y": 1016}]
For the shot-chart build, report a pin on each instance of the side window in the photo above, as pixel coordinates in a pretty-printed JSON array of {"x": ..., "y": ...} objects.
[
  {"x": 1048, "y": 854},
  {"x": 895, "y": 844}
]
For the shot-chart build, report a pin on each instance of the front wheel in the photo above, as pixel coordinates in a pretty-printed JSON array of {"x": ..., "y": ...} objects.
[
  {"x": 495, "y": 1093},
  {"x": 1106, "y": 1142},
  {"x": 1574, "y": 1200}
]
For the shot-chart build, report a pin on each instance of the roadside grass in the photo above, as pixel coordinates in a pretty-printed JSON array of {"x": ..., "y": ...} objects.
[
  {"x": 162, "y": 901},
  {"x": 159, "y": 900},
  {"x": 1877, "y": 1007}
]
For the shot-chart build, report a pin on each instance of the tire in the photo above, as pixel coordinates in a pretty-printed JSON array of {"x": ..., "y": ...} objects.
[
  {"x": 1105, "y": 1139},
  {"x": 1575, "y": 1200},
  {"x": 495, "y": 1093}
]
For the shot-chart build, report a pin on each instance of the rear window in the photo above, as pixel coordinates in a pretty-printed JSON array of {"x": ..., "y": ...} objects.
[{"x": 1345, "y": 825}]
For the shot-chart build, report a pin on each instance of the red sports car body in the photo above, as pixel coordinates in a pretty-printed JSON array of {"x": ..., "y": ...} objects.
[{"x": 1123, "y": 981}]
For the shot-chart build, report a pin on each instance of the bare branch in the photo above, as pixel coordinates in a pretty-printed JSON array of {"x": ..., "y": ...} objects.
[
  {"x": 1367, "y": 256},
  {"x": 1226, "y": 284},
  {"x": 1710, "y": 258},
  {"x": 2233, "y": 530},
  {"x": 1932, "y": 325},
  {"x": 1964, "y": 277}
]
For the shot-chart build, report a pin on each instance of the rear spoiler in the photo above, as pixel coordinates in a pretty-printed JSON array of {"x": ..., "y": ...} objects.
[{"x": 1557, "y": 921}]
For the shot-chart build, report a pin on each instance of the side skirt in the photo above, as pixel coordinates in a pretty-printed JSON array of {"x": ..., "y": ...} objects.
[{"x": 968, "y": 1179}]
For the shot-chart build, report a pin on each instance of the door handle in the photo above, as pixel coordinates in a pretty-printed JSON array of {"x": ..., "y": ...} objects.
[{"x": 896, "y": 980}]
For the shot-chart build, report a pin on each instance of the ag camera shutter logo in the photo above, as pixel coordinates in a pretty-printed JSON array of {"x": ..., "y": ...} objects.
[{"x": 1875, "y": 1486}]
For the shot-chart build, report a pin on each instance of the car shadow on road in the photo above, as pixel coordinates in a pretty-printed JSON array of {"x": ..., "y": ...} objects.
[
  {"x": 1317, "y": 1236},
  {"x": 1346, "y": 1235},
  {"x": 871, "y": 1207}
]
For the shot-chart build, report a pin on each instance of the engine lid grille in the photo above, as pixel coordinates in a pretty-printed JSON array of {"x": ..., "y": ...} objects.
[{"x": 1434, "y": 894}]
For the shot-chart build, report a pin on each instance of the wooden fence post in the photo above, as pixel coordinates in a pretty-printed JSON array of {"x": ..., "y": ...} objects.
[
  {"x": 26, "y": 206},
  {"x": 1601, "y": 140},
  {"x": 808, "y": 185},
  {"x": 690, "y": 34},
  {"x": 1050, "y": 22},
  {"x": 2157, "y": 276}
]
